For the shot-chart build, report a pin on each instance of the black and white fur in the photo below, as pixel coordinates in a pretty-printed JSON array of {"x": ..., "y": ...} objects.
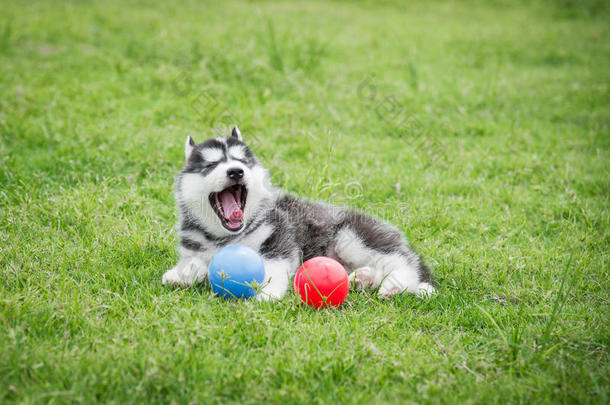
[{"x": 285, "y": 230}]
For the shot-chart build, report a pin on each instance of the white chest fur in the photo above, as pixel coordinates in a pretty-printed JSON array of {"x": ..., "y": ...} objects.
[{"x": 255, "y": 239}]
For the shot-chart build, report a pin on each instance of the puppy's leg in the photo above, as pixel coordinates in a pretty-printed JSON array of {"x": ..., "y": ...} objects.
[
  {"x": 187, "y": 271},
  {"x": 400, "y": 274},
  {"x": 381, "y": 257},
  {"x": 279, "y": 252},
  {"x": 277, "y": 279}
]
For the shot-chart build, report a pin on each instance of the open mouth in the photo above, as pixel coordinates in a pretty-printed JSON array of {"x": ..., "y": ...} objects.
[{"x": 229, "y": 205}]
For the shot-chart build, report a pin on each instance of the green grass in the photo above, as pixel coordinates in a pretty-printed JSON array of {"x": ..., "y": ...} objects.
[{"x": 492, "y": 116}]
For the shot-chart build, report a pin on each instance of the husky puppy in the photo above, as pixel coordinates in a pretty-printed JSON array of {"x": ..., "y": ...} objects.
[{"x": 225, "y": 197}]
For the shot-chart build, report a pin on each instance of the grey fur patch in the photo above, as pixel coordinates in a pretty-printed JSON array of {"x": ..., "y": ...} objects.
[
  {"x": 310, "y": 229},
  {"x": 191, "y": 244}
]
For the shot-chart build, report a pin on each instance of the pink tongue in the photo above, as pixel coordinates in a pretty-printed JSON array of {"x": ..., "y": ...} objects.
[
  {"x": 230, "y": 207},
  {"x": 236, "y": 216}
]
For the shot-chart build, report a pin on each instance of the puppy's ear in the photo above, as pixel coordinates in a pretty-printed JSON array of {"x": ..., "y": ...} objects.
[
  {"x": 188, "y": 147},
  {"x": 236, "y": 134}
]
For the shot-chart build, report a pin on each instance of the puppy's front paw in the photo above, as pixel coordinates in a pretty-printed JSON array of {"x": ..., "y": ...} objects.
[
  {"x": 193, "y": 271},
  {"x": 185, "y": 273},
  {"x": 171, "y": 278}
]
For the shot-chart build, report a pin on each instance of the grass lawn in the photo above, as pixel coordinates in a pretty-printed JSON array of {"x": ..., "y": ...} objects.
[{"x": 480, "y": 129}]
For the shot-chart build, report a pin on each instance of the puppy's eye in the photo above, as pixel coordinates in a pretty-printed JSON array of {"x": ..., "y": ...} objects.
[
  {"x": 239, "y": 159},
  {"x": 209, "y": 165}
]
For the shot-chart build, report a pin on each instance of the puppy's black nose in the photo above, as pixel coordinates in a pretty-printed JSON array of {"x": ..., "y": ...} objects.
[{"x": 235, "y": 173}]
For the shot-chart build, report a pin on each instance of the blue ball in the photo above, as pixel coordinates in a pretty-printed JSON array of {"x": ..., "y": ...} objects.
[{"x": 234, "y": 269}]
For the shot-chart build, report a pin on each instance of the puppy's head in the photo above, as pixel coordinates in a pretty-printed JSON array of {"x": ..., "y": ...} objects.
[{"x": 222, "y": 184}]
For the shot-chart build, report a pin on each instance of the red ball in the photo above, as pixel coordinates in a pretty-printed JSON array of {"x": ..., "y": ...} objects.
[{"x": 321, "y": 281}]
